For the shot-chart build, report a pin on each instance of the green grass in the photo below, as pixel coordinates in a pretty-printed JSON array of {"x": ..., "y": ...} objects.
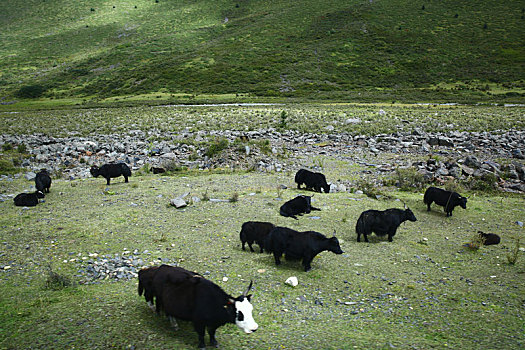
[
  {"x": 194, "y": 51},
  {"x": 403, "y": 294}
]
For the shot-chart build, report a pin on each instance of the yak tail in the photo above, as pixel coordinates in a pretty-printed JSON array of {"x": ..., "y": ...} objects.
[
  {"x": 359, "y": 225},
  {"x": 141, "y": 288}
]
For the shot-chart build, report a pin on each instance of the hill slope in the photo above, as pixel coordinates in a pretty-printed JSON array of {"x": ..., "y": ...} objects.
[{"x": 271, "y": 48}]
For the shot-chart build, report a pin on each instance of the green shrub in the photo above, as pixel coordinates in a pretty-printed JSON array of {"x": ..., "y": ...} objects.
[
  {"x": 512, "y": 256},
  {"x": 7, "y": 167},
  {"x": 56, "y": 281},
  {"x": 21, "y": 148},
  {"x": 234, "y": 198},
  {"x": 7, "y": 147},
  {"x": 408, "y": 179},
  {"x": 31, "y": 91},
  {"x": 217, "y": 146}
]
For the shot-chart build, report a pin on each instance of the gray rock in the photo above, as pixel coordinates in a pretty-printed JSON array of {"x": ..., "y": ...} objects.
[
  {"x": 170, "y": 155},
  {"x": 30, "y": 176},
  {"x": 178, "y": 202},
  {"x": 472, "y": 161},
  {"x": 516, "y": 153},
  {"x": 352, "y": 121}
]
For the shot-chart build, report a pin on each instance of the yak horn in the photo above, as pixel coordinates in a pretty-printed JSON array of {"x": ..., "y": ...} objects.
[{"x": 248, "y": 289}]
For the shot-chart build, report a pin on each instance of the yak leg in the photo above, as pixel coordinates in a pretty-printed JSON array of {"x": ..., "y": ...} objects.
[
  {"x": 307, "y": 260},
  {"x": 314, "y": 208},
  {"x": 250, "y": 245},
  {"x": 200, "y": 329},
  {"x": 211, "y": 332},
  {"x": 125, "y": 178},
  {"x": 107, "y": 181},
  {"x": 277, "y": 257},
  {"x": 173, "y": 322},
  {"x": 428, "y": 206},
  {"x": 391, "y": 234}
]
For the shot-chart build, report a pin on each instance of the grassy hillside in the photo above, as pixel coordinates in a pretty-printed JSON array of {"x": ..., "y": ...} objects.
[{"x": 331, "y": 49}]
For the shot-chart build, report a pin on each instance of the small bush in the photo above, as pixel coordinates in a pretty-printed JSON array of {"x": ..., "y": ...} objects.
[
  {"x": 512, "y": 256},
  {"x": 217, "y": 146},
  {"x": 56, "y": 281},
  {"x": 283, "y": 123},
  {"x": 21, "y": 148},
  {"x": 408, "y": 179},
  {"x": 31, "y": 91},
  {"x": 453, "y": 186},
  {"x": 205, "y": 197},
  {"x": 7, "y": 147},
  {"x": 264, "y": 146},
  {"x": 144, "y": 170},
  {"x": 370, "y": 189},
  {"x": 234, "y": 198},
  {"x": 7, "y": 167},
  {"x": 475, "y": 243},
  {"x": 172, "y": 166}
]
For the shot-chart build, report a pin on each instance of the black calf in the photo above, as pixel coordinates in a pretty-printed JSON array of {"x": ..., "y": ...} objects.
[
  {"x": 311, "y": 180},
  {"x": 28, "y": 199},
  {"x": 298, "y": 206},
  {"x": 489, "y": 238}
]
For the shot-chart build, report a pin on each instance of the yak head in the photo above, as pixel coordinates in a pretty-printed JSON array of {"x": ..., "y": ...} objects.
[
  {"x": 410, "y": 215},
  {"x": 333, "y": 245},
  {"x": 243, "y": 312},
  {"x": 462, "y": 201},
  {"x": 94, "y": 171}
]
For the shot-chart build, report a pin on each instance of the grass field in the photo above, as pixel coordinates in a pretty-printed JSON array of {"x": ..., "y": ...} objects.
[{"x": 424, "y": 290}]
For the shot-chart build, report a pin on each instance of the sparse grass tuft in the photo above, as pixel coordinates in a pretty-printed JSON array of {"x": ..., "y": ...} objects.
[
  {"x": 512, "y": 256},
  {"x": 57, "y": 281},
  {"x": 234, "y": 198}
]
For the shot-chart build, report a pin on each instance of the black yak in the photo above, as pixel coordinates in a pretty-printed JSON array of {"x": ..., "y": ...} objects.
[
  {"x": 311, "y": 180},
  {"x": 299, "y": 245},
  {"x": 188, "y": 296},
  {"x": 298, "y": 206},
  {"x": 447, "y": 199},
  {"x": 43, "y": 181},
  {"x": 111, "y": 170},
  {"x": 255, "y": 232},
  {"x": 382, "y": 222},
  {"x": 28, "y": 199},
  {"x": 489, "y": 238}
]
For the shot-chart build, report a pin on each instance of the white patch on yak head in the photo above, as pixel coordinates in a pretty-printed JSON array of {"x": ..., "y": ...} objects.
[{"x": 243, "y": 315}]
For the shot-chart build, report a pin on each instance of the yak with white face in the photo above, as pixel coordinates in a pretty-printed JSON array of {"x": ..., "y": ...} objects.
[{"x": 186, "y": 295}]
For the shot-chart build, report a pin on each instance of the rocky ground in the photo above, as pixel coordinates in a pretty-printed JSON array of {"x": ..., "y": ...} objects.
[{"x": 497, "y": 156}]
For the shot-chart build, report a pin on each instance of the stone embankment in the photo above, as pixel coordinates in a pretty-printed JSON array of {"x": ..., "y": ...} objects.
[{"x": 456, "y": 154}]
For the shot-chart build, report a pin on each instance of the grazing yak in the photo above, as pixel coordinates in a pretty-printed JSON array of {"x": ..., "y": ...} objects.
[
  {"x": 311, "y": 180},
  {"x": 255, "y": 231},
  {"x": 111, "y": 170},
  {"x": 28, "y": 199},
  {"x": 447, "y": 199},
  {"x": 382, "y": 222},
  {"x": 43, "y": 181},
  {"x": 489, "y": 238},
  {"x": 299, "y": 245},
  {"x": 298, "y": 206},
  {"x": 188, "y": 296},
  {"x": 146, "y": 276}
]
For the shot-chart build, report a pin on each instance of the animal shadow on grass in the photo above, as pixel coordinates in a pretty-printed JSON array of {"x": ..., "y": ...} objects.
[{"x": 159, "y": 323}]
